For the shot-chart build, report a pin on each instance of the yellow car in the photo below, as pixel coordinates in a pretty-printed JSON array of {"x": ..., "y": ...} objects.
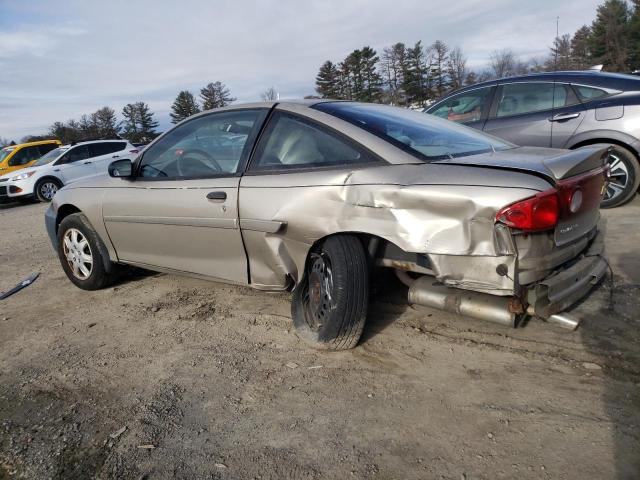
[{"x": 15, "y": 157}]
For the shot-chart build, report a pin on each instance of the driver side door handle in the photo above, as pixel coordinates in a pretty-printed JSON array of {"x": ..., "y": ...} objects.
[{"x": 217, "y": 196}]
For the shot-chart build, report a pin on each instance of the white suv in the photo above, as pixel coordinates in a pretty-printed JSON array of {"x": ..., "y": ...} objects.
[{"x": 61, "y": 166}]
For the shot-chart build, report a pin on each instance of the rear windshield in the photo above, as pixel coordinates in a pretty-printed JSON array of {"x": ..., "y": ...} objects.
[
  {"x": 424, "y": 136},
  {"x": 50, "y": 156}
]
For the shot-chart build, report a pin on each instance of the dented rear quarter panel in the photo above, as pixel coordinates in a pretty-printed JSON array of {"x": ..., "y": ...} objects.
[{"x": 446, "y": 212}]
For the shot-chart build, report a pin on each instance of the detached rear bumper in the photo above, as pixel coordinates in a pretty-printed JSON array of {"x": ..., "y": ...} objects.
[{"x": 564, "y": 288}]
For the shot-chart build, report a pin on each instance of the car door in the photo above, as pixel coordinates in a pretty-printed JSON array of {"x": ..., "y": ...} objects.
[
  {"x": 470, "y": 107},
  {"x": 297, "y": 166},
  {"x": 568, "y": 114},
  {"x": 520, "y": 113},
  {"x": 103, "y": 153},
  {"x": 180, "y": 213},
  {"x": 75, "y": 165}
]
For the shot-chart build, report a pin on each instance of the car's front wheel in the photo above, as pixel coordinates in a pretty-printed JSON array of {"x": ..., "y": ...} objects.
[
  {"x": 329, "y": 306},
  {"x": 80, "y": 253},
  {"x": 624, "y": 178},
  {"x": 46, "y": 189}
]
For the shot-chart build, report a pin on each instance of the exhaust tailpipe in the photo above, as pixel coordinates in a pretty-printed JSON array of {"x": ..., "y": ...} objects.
[{"x": 425, "y": 291}]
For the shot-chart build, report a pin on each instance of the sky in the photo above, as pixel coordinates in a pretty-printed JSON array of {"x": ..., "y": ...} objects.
[{"x": 60, "y": 59}]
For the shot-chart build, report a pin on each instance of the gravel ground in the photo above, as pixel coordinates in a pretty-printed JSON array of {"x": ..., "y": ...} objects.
[{"x": 167, "y": 377}]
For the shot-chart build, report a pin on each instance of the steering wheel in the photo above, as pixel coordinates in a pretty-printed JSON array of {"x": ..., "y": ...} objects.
[{"x": 184, "y": 163}]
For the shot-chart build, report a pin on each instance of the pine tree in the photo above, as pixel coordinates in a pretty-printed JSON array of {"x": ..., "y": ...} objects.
[
  {"x": 440, "y": 52},
  {"x": 138, "y": 125},
  {"x": 608, "y": 42},
  {"x": 147, "y": 125},
  {"x": 105, "y": 122},
  {"x": 371, "y": 79},
  {"x": 416, "y": 76},
  {"x": 328, "y": 81},
  {"x": 130, "y": 123},
  {"x": 580, "y": 52},
  {"x": 633, "y": 37},
  {"x": 215, "y": 95},
  {"x": 183, "y": 107}
]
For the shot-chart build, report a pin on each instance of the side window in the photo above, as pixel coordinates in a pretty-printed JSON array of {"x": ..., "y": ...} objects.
[
  {"x": 465, "y": 107},
  {"x": 211, "y": 145},
  {"x": 46, "y": 148},
  {"x": 106, "y": 148},
  {"x": 564, "y": 96},
  {"x": 81, "y": 152},
  {"x": 587, "y": 94},
  {"x": 521, "y": 98},
  {"x": 290, "y": 142},
  {"x": 24, "y": 156}
]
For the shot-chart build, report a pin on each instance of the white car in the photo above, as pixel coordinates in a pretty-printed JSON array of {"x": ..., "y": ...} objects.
[{"x": 62, "y": 166}]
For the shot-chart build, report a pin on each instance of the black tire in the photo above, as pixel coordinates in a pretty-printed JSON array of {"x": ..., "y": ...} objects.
[
  {"x": 44, "y": 189},
  {"x": 98, "y": 277},
  {"x": 625, "y": 177},
  {"x": 329, "y": 307}
]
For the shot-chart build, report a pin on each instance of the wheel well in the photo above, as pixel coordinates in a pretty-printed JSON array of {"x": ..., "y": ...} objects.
[
  {"x": 594, "y": 141},
  {"x": 64, "y": 211}
]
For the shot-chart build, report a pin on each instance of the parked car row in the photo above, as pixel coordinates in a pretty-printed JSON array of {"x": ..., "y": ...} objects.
[
  {"x": 560, "y": 110},
  {"x": 40, "y": 169}
]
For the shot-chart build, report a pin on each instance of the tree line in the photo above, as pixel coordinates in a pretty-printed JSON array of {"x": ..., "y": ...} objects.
[{"x": 415, "y": 74}]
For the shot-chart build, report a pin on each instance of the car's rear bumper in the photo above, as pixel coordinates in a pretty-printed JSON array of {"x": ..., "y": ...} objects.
[{"x": 564, "y": 288}]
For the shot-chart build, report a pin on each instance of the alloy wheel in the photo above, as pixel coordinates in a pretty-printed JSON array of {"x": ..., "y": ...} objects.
[
  {"x": 77, "y": 251},
  {"x": 618, "y": 177},
  {"x": 48, "y": 190}
]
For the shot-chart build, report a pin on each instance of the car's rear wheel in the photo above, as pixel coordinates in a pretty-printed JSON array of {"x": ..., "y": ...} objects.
[
  {"x": 329, "y": 306},
  {"x": 625, "y": 177},
  {"x": 80, "y": 253},
  {"x": 46, "y": 189}
]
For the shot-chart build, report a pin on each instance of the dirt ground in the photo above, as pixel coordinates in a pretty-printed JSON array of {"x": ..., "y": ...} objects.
[{"x": 167, "y": 377}]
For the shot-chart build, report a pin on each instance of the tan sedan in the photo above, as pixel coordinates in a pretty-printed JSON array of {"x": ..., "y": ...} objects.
[{"x": 317, "y": 197}]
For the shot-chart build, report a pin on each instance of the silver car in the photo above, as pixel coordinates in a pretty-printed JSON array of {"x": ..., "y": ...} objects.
[
  {"x": 560, "y": 110},
  {"x": 317, "y": 197}
]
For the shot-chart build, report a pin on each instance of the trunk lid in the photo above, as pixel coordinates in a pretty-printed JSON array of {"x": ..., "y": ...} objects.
[
  {"x": 578, "y": 177},
  {"x": 554, "y": 164}
]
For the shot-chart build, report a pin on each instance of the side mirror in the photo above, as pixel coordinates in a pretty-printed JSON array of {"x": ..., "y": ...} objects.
[{"x": 121, "y": 169}]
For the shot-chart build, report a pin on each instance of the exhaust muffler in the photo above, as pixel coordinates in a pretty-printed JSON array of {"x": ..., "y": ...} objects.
[{"x": 427, "y": 292}]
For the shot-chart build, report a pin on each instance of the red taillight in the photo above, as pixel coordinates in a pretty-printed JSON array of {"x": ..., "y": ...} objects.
[{"x": 533, "y": 214}]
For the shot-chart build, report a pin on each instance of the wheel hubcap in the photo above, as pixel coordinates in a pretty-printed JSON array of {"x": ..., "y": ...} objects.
[
  {"x": 618, "y": 177},
  {"x": 78, "y": 253},
  {"x": 48, "y": 190},
  {"x": 318, "y": 299}
]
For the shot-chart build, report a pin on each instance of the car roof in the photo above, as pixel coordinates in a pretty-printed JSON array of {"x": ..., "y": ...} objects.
[
  {"x": 31, "y": 144},
  {"x": 88, "y": 142},
  {"x": 615, "y": 81}
]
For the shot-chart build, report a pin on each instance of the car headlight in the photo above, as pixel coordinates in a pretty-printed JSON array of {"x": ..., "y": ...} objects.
[{"x": 22, "y": 176}]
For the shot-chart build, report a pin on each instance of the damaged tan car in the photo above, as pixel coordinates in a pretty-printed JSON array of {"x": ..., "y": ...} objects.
[{"x": 316, "y": 197}]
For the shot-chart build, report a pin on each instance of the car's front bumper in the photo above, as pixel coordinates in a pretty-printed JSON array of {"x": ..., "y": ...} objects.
[
  {"x": 50, "y": 223},
  {"x": 10, "y": 191}
]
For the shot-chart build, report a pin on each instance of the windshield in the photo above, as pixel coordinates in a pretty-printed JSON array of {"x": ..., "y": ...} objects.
[
  {"x": 424, "y": 136},
  {"x": 50, "y": 157},
  {"x": 5, "y": 152}
]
